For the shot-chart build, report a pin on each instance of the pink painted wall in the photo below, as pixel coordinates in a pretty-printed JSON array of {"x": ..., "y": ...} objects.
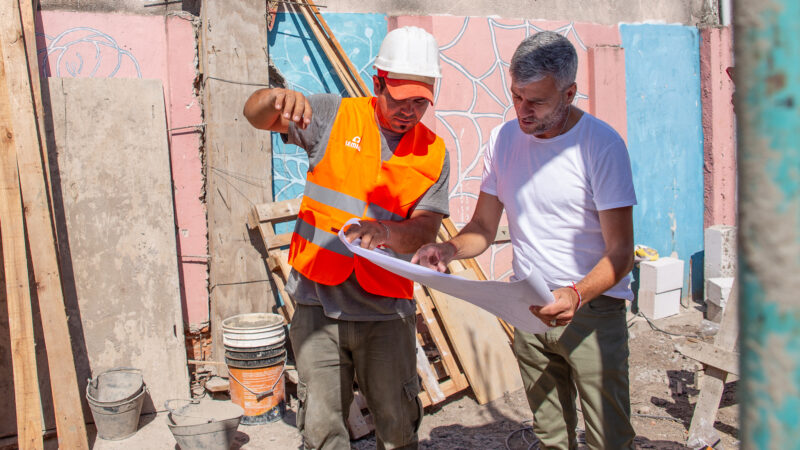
[
  {"x": 719, "y": 127},
  {"x": 472, "y": 97},
  {"x": 72, "y": 44}
]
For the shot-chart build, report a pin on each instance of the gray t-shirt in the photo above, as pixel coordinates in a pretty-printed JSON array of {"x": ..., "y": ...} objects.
[{"x": 348, "y": 300}]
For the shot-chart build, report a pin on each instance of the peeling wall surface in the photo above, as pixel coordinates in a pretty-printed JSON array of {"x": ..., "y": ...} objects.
[
  {"x": 93, "y": 45},
  {"x": 665, "y": 140}
]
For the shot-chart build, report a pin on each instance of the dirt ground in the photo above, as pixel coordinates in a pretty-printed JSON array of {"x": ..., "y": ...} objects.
[{"x": 663, "y": 393}]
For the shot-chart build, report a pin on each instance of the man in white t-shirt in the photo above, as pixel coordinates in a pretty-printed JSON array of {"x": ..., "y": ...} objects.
[{"x": 564, "y": 180}]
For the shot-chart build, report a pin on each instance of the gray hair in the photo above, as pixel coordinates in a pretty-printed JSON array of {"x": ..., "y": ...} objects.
[{"x": 545, "y": 53}]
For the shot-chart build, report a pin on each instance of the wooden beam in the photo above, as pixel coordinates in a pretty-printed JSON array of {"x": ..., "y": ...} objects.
[
  {"x": 238, "y": 158},
  {"x": 15, "y": 263},
  {"x": 277, "y": 211},
  {"x": 479, "y": 343},
  {"x": 351, "y": 71},
  {"x": 713, "y": 382},
  {"x": 38, "y": 218},
  {"x": 424, "y": 304},
  {"x": 711, "y": 355},
  {"x": 471, "y": 263}
]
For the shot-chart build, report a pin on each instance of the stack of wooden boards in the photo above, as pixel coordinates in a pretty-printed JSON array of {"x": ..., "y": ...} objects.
[
  {"x": 458, "y": 344},
  {"x": 27, "y": 230}
]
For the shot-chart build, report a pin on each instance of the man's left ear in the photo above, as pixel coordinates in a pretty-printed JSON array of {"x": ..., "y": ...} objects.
[{"x": 572, "y": 90}]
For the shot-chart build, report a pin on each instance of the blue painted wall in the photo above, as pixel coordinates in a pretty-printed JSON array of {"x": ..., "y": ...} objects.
[
  {"x": 665, "y": 140},
  {"x": 294, "y": 51}
]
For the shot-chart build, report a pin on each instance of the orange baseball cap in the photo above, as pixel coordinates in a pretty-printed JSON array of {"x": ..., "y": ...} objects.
[{"x": 403, "y": 86}]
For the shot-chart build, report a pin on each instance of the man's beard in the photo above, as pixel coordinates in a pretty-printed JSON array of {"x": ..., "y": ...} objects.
[{"x": 553, "y": 121}]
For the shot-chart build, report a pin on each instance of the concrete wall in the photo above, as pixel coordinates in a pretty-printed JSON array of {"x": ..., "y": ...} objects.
[
  {"x": 719, "y": 126},
  {"x": 607, "y": 12},
  {"x": 80, "y": 44},
  {"x": 665, "y": 140},
  {"x": 139, "y": 7}
]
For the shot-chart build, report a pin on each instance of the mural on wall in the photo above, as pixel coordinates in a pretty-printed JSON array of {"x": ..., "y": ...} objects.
[
  {"x": 85, "y": 52},
  {"x": 293, "y": 50},
  {"x": 473, "y": 97}
]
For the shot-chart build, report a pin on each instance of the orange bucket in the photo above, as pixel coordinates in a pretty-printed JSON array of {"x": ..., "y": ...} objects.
[{"x": 258, "y": 390}]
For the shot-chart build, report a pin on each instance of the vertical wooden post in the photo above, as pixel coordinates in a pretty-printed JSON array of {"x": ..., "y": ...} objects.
[
  {"x": 22, "y": 80},
  {"x": 238, "y": 159},
  {"x": 15, "y": 262}
]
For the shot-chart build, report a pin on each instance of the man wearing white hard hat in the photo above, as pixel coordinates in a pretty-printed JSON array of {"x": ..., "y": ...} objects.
[{"x": 369, "y": 158}]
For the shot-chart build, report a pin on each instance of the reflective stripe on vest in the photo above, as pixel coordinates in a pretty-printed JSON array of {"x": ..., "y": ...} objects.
[{"x": 352, "y": 181}]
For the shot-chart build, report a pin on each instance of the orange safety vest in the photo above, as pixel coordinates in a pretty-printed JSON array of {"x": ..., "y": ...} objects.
[{"x": 352, "y": 181}]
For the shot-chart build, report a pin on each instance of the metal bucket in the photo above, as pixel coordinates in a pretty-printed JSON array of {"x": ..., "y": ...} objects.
[
  {"x": 115, "y": 398},
  {"x": 203, "y": 425}
]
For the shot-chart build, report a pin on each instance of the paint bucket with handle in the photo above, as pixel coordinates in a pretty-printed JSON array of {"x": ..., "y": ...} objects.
[{"x": 255, "y": 352}]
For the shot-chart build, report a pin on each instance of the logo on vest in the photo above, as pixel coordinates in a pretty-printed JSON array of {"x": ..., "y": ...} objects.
[{"x": 354, "y": 143}]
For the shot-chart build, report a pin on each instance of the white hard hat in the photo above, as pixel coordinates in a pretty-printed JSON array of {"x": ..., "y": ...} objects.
[{"x": 409, "y": 53}]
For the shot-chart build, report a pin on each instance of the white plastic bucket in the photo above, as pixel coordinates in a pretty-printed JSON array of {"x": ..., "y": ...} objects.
[{"x": 253, "y": 330}]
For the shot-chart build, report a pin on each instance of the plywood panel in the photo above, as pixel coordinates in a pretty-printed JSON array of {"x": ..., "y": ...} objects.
[
  {"x": 114, "y": 193},
  {"x": 238, "y": 159},
  {"x": 480, "y": 344}
]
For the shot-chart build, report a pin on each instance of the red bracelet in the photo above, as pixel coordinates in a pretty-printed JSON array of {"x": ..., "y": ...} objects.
[{"x": 580, "y": 300}]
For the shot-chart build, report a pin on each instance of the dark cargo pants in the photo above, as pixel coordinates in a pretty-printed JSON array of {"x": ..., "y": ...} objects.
[
  {"x": 588, "y": 356},
  {"x": 381, "y": 356}
]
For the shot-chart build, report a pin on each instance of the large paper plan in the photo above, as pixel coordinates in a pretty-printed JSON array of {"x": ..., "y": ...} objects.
[{"x": 508, "y": 300}]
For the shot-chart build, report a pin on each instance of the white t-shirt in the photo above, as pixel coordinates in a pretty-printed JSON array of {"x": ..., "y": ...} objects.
[{"x": 552, "y": 190}]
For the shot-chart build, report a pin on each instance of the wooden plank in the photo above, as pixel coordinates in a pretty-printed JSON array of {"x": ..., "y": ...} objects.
[
  {"x": 480, "y": 344},
  {"x": 710, "y": 355},
  {"x": 24, "y": 87},
  {"x": 356, "y": 422},
  {"x": 429, "y": 381},
  {"x": 712, "y": 383},
  {"x": 26, "y": 10},
  {"x": 15, "y": 263},
  {"x": 424, "y": 306},
  {"x": 351, "y": 71},
  {"x": 233, "y": 39},
  {"x": 327, "y": 49},
  {"x": 287, "y": 309},
  {"x": 119, "y": 213},
  {"x": 471, "y": 263},
  {"x": 278, "y": 211}
]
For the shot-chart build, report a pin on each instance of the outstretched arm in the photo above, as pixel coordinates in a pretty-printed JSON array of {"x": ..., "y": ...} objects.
[
  {"x": 274, "y": 109},
  {"x": 471, "y": 241}
]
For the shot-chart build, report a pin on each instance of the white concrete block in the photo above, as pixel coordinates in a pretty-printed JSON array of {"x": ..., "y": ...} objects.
[
  {"x": 719, "y": 260},
  {"x": 661, "y": 275},
  {"x": 714, "y": 312},
  {"x": 656, "y": 306},
  {"x": 718, "y": 290}
]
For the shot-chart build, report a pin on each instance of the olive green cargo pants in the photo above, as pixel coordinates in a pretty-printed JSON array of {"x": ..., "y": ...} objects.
[
  {"x": 381, "y": 355},
  {"x": 588, "y": 356}
]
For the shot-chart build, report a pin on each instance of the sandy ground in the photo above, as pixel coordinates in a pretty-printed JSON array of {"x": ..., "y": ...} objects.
[{"x": 663, "y": 393}]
